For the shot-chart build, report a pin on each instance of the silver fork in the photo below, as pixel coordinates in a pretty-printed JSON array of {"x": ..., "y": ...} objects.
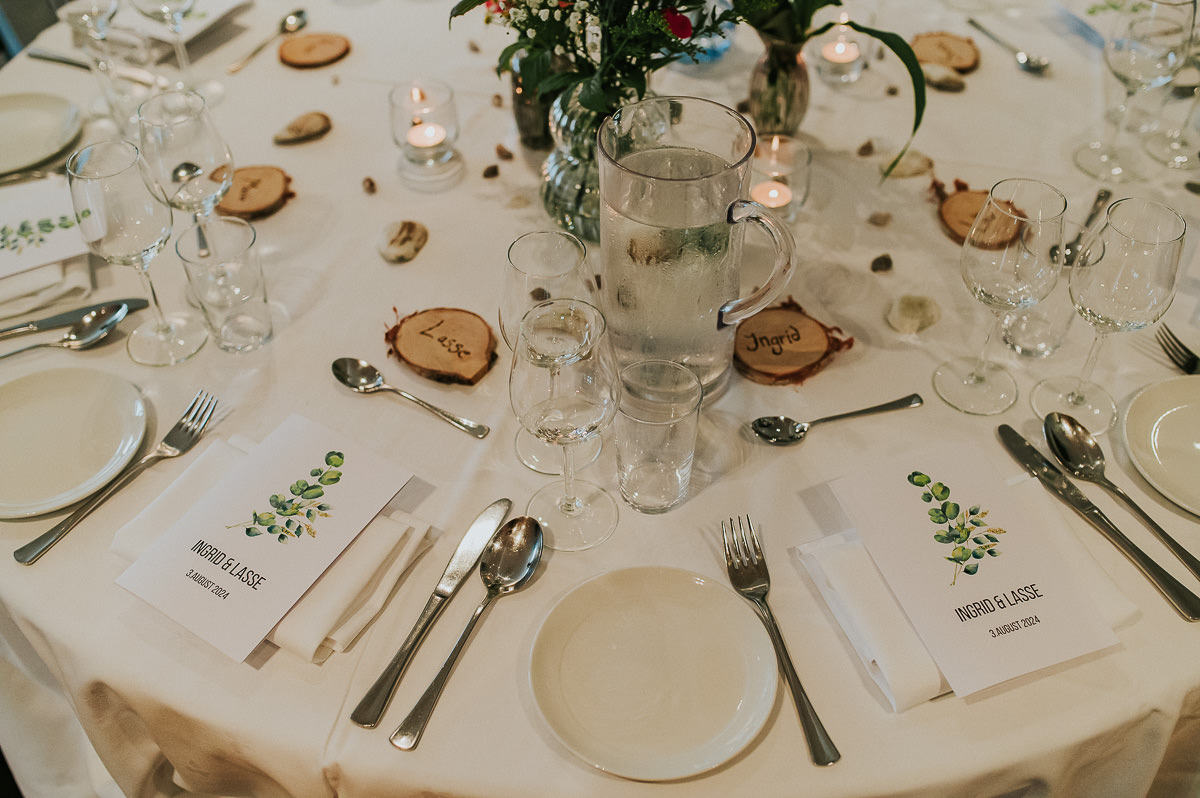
[
  {"x": 179, "y": 439},
  {"x": 748, "y": 575},
  {"x": 1176, "y": 350}
]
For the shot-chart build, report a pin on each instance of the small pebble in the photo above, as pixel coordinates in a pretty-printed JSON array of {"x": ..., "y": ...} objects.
[
  {"x": 497, "y": 101},
  {"x": 503, "y": 153},
  {"x": 882, "y": 264},
  {"x": 472, "y": 46},
  {"x": 943, "y": 78},
  {"x": 305, "y": 127},
  {"x": 910, "y": 314},
  {"x": 369, "y": 185},
  {"x": 879, "y": 219},
  {"x": 867, "y": 149},
  {"x": 401, "y": 241},
  {"x": 491, "y": 171},
  {"x": 892, "y": 91}
]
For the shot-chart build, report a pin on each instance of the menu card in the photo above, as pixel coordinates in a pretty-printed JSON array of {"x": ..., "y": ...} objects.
[
  {"x": 237, "y": 561},
  {"x": 976, "y": 575},
  {"x": 37, "y": 226}
]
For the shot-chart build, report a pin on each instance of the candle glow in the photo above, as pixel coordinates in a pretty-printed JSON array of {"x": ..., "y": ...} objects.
[
  {"x": 771, "y": 194},
  {"x": 425, "y": 136}
]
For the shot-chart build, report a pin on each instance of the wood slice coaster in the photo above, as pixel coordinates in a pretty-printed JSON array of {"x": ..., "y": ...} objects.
[
  {"x": 783, "y": 345},
  {"x": 311, "y": 50},
  {"x": 444, "y": 344},
  {"x": 257, "y": 192},
  {"x": 957, "y": 213},
  {"x": 948, "y": 49}
]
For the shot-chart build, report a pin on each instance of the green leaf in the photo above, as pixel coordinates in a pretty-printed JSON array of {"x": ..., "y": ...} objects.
[
  {"x": 977, "y": 554},
  {"x": 275, "y": 501},
  {"x": 992, "y": 537},
  {"x": 464, "y": 6},
  {"x": 904, "y": 52},
  {"x": 940, "y": 492},
  {"x": 313, "y": 493},
  {"x": 937, "y": 516},
  {"x": 283, "y": 538},
  {"x": 961, "y": 554},
  {"x": 274, "y": 529},
  {"x": 940, "y": 538},
  {"x": 978, "y": 540},
  {"x": 971, "y": 569},
  {"x": 919, "y": 479},
  {"x": 264, "y": 519},
  {"x": 253, "y": 532},
  {"x": 977, "y": 523},
  {"x": 298, "y": 487},
  {"x": 335, "y": 459},
  {"x": 950, "y": 509},
  {"x": 926, "y": 496},
  {"x": 993, "y": 552},
  {"x": 330, "y": 477}
]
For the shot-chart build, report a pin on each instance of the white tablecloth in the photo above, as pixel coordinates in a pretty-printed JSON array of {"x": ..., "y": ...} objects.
[{"x": 100, "y": 692}]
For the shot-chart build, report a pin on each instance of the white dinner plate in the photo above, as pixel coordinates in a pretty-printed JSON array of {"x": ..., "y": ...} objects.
[
  {"x": 1162, "y": 434},
  {"x": 64, "y": 434},
  {"x": 35, "y": 127},
  {"x": 653, "y": 674}
]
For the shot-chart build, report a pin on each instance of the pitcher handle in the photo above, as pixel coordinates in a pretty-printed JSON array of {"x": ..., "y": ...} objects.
[{"x": 785, "y": 251}]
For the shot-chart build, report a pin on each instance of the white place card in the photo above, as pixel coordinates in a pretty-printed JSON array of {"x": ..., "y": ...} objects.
[
  {"x": 979, "y": 578},
  {"x": 37, "y": 226},
  {"x": 245, "y": 553}
]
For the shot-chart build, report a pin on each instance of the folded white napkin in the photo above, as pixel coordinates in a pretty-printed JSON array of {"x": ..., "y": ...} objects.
[
  {"x": 37, "y": 288},
  {"x": 341, "y": 603},
  {"x": 882, "y": 636}
]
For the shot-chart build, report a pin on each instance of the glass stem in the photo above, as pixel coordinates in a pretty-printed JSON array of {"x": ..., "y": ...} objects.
[
  {"x": 181, "y": 57},
  {"x": 977, "y": 371},
  {"x": 160, "y": 320},
  {"x": 1110, "y": 147},
  {"x": 570, "y": 502},
  {"x": 1077, "y": 396}
]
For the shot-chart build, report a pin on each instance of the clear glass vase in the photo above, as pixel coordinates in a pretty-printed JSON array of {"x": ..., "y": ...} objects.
[
  {"x": 570, "y": 177},
  {"x": 779, "y": 88}
]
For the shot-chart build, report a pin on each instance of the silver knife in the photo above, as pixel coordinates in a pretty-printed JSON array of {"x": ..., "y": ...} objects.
[
  {"x": 68, "y": 318},
  {"x": 130, "y": 73},
  {"x": 1055, "y": 481},
  {"x": 371, "y": 708}
]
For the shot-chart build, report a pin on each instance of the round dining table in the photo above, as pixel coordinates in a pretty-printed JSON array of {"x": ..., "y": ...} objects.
[{"x": 103, "y": 695}]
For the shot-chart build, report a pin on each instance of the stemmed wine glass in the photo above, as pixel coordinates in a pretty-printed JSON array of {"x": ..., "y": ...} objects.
[
  {"x": 171, "y": 14},
  {"x": 542, "y": 265},
  {"x": 1149, "y": 43},
  {"x": 124, "y": 219},
  {"x": 563, "y": 389},
  {"x": 1129, "y": 288},
  {"x": 1008, "y": 262},
  {"x": 186, "y": 153}
]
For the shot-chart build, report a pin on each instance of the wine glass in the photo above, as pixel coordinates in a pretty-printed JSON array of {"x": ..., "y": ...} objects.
[
  {"x": 124, "y": 219},
  {"x": 542, "y": 265},
  {"x": 563, "y": 389},
  {"x": 1129, "y": 288},
  {"x": 171, "y": 14},
  {"x": 1148, "y": 45},
  {"x": 186, "y": 154},
  {"x": 1008, "y": 264}
]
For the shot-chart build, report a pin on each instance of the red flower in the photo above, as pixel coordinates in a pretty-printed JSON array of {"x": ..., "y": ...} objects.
[{"x": 679, "y": 24}]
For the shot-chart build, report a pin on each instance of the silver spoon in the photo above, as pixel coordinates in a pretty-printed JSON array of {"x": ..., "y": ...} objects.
[
  {"x": 183, "y": 173},
  {"x": 508, "y": 562},
  {"x": 289, "y": 24},
  {"x": 1078, "y": 451},
  {"x": 1072, "y": 247},
  {"x": 783, "y": 431},
  {"x": 1033, "y": 64},
  {"x": 85, "y": 333},
  {"x": 361, "y": 376}
]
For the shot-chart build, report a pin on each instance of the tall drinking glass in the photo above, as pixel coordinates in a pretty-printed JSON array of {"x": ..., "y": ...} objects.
[
  {"x": 1148, "y": 44},
  {"x": 1008, "y": 265},
  {"x": 171, "y": 14},
  {"x": 124, "y": 219},
  {"x": 1131, "y": 287},
  {"x": 563, "y": 388},
  {"x": 542, "y": 265}
]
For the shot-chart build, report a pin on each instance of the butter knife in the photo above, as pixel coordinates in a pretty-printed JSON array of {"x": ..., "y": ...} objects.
[
  {"x": 134, "y": 74},
  {"x": 1054, "y": 480},
  {"x": 466, "y": 557},
  {"x": 67, "y": 318}
]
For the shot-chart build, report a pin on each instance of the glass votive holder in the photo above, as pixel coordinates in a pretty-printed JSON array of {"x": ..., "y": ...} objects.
[
  {"x": 841, "y": 54},
  {"x": 424, "y": 121},
  {"x": 781, "y": 175}
]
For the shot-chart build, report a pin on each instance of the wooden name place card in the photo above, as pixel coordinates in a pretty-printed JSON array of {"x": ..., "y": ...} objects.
[{"x": 783, "y": 345}]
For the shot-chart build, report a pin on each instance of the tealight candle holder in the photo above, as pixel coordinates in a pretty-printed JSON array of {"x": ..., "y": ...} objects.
[
  {"x": 841, "y": 54},
  {"x": 424, "y": 121},
  {"x": 781, "y": 175}
]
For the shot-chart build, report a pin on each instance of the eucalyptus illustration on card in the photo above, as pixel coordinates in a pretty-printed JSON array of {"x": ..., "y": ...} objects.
[
  {"x": 294, "y": 515},
  {"x": 964, "y": 529}
]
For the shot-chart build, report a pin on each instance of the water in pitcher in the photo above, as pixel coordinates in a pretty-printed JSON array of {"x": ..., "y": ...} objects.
[{"x": 670, "y": 264}]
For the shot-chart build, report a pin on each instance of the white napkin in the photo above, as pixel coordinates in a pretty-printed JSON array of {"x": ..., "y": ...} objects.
[
  {"x": 37, "y": 288},
  {"x": 882, "y": 636},
  {"x": 341, "y": 603}
]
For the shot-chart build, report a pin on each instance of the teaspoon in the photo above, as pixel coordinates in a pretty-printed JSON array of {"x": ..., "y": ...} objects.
[
  {"x": 783, "y": 431},
  {"x": 361, "y": 376},
  {"x": 289, "y": 24},
  {"x": 85, "y": 333},
  {"x": 1079, "y": 452},
  {"x": 1033, "y": 64},
  {"x": 508, "y": 562}
]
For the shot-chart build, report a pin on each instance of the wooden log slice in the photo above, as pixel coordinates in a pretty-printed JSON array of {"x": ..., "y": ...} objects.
[
  {"x": 958, "y": 211},
  {"x": 948, "y": 49},
  {"x": 783, "y": 345},
  {"x": 311, "y": 50},
  {"x": 257, "y": 191},
  {"x": 444, "y": 344}
]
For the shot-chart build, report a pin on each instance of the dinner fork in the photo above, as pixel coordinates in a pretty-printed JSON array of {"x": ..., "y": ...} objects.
[
  {"x": 179, "y": 439},
  {"x": 748, "y": 575},
  {"x": 1176, "y": 350}
]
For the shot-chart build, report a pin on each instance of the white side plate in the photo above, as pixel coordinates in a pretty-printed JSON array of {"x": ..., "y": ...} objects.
[
  {"x": 64, "y": 434},
  {"x": 35, "y": 127},
  {"x": 1162, "y": 434},
  {"x": 653, "y": 674}
]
